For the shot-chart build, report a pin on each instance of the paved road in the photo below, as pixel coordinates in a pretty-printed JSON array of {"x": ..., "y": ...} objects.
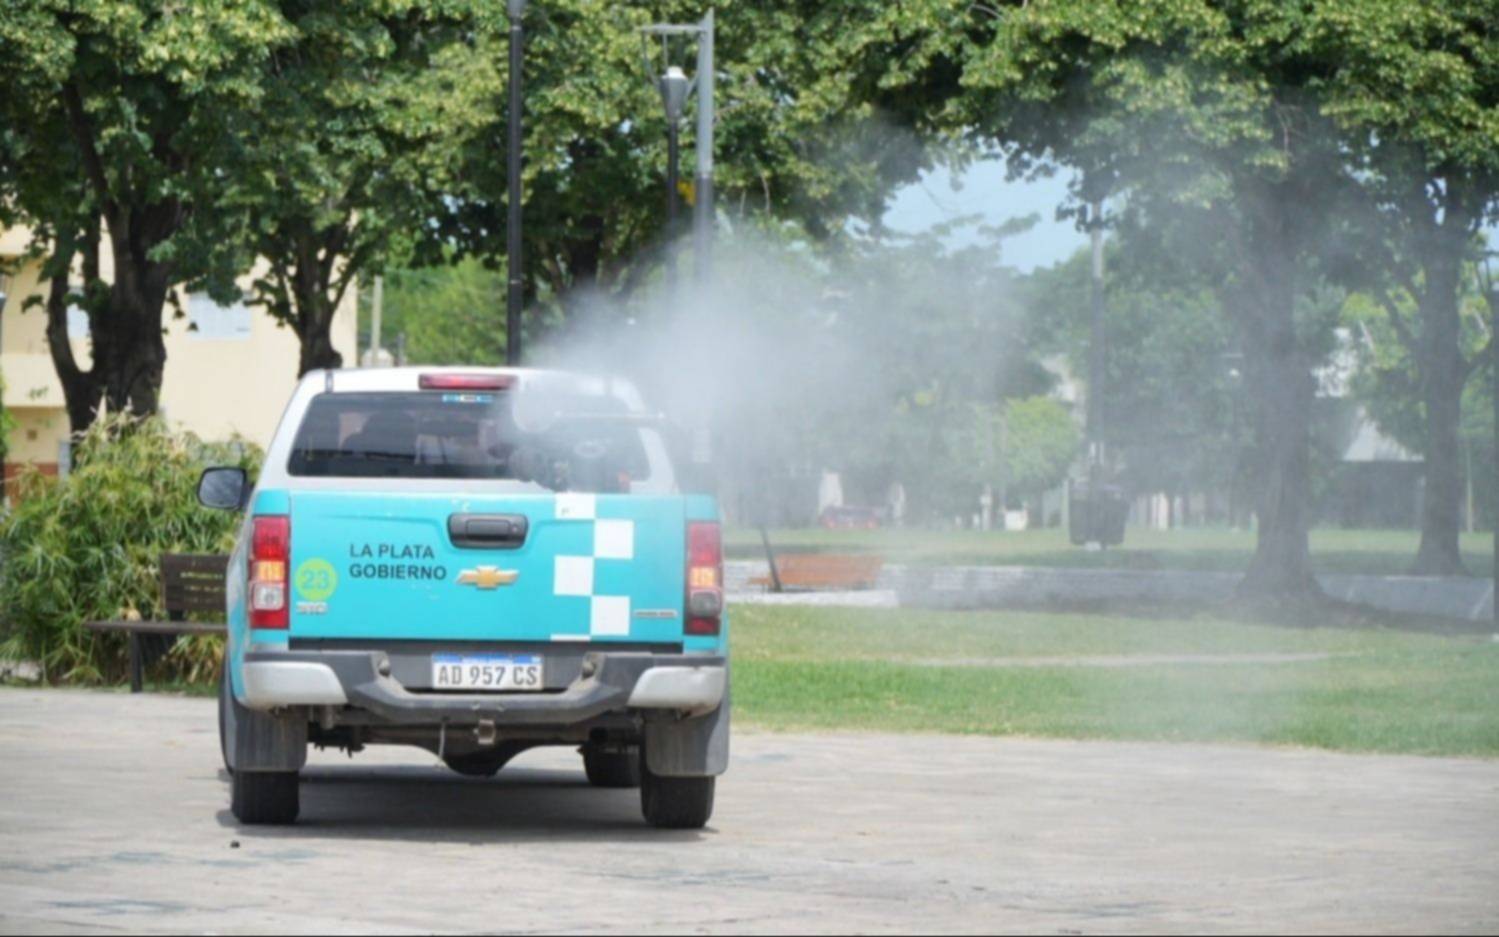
[{"x": 112, "y": 817}]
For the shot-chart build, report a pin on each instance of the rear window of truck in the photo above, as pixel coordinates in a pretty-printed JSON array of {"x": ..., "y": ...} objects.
[{"x": 583, "y": 444}]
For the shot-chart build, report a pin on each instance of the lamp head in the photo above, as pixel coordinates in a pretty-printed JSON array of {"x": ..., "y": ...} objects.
[{"x": 674, "y": 86}]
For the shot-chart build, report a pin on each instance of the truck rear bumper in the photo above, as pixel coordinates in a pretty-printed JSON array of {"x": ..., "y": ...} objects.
[{"x": 692, "y": 685}]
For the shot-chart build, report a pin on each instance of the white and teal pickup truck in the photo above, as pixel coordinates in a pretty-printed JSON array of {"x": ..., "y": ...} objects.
[{"x": 475, "y": 562}]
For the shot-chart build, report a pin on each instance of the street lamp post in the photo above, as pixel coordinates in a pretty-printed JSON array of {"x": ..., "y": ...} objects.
[
  {"x": 702, "y": 228},
  {"x": 674, "y": 87},
  {"x": 681, "y": 87},
  {"x": 515, "y": 270}
]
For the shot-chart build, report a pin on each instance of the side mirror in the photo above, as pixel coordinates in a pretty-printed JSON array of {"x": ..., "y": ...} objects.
[{"x": 223, "y": 489}]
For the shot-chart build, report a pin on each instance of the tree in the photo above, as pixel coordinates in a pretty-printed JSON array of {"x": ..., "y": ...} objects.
[
  {"x": 805, "y": 132},
  {"x": 354, "y": 145},
  {"x": 116, "y": 117},
  {"x": 1388, "y": 380},
  {"x": 1210, "y": 119},
  {"x": 7, "y": 422},
  {"x": 447, "y": 313},
  {"x": 1417, "y": 90},
  {"x": 1041, "y": 440},
  {"x": 1169, "y": 401}
]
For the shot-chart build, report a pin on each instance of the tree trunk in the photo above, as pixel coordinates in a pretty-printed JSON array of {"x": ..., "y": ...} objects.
[
  {"x": 1443, "y": 373},
  {"x": 314, "y": 330},
  {"x": 315, "y": 290},
  {"x": 128, "y": 349},
  {"x": 1284, "y": 393},
  {"x": 132, "y": 354},
  {"x": 81, "y": 390},
  {"x": 1279, "y": 378}
]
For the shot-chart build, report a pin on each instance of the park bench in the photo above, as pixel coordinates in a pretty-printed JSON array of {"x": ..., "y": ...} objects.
[
  {"x": 190, "y": 582},
  {"x": 808, "y": 571}
]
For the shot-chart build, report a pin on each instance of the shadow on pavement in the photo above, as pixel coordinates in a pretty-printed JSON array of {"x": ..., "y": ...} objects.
[{"x": 431, "y": 804}]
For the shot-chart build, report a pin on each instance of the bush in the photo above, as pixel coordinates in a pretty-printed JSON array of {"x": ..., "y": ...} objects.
[{"x": 86, "y": 548}]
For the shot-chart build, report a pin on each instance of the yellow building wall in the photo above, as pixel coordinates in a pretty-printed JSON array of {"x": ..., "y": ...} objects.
[{"x": 35, "y": 434}]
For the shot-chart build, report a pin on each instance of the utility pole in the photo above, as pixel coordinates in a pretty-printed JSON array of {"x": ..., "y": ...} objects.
[
  {"x": 702, "y": 227},
  {"x": 515, "y": 269},
  {"x": 1097, "y": 510},
  {"x": 377, "y": 310},
  {"x": 1095, "y": 335}
]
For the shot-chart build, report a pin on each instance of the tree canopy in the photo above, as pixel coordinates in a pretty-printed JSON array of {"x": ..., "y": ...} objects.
[{"x": 354, "y": 146}]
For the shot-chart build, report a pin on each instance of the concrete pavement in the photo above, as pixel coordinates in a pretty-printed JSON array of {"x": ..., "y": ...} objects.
[{"x": 113, "y": 818}]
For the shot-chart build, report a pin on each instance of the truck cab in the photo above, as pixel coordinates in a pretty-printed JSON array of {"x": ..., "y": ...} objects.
[{"x": 475, "y": 562}]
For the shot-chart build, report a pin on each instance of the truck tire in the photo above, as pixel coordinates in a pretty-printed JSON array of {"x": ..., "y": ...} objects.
[
  {"x": 618, "y": 768},
  {"x": 265, "y": 797},
  {"x": 675, "y": 803}
]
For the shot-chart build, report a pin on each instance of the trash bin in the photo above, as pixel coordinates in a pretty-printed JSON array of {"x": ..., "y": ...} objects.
[{"x": 1096, "y": 514}]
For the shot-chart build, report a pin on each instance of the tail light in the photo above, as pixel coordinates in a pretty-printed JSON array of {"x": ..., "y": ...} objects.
[
  {"x": 704, "y": 578},
  {"x": 443, "y": 381},
  {"x": 270, "y": 555}
]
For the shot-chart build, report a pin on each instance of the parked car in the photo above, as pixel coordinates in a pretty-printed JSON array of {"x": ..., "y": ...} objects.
[
  {"x": 851, "y": 518},
  {"x": 474, "y": 562}
]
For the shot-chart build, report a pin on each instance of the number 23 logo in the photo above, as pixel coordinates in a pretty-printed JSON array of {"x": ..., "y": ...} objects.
[{"x": 316, "y": 580}]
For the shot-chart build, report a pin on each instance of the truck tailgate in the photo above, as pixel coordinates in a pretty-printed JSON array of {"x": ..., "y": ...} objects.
[{"x": 542, "y": 567}]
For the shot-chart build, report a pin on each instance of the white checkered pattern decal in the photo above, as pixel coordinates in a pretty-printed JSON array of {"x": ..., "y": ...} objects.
[{"x": 613, "y": 541}]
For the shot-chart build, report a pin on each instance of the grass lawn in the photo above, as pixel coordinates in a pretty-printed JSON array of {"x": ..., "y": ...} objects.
[
  {"x": 799, "y": 667},
  {"x": 1333, "y": 550}
]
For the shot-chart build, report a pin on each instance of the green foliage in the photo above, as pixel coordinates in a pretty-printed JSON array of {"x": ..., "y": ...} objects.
[
  {"x": 124, "y": 112},
  {"x": 804, "y": 132},
  {"x": 86, "y": 547},
  {"x": 357, "y": 142},
  {"x": 1041, "y": 440},
  {"x": 7, "y": 423},
  {"x": 1168, "y": 404},
  {"x": 1387, "y": 380},
  {"x": 449, "y": 315}
]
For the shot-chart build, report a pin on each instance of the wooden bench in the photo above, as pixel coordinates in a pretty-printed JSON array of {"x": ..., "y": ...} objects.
[
  {"x": 806, "y": 571},
  {"x": 190, "y": 582}
]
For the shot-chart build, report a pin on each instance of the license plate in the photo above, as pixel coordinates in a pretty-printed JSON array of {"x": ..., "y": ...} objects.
[{"x": 494, "y": 672}]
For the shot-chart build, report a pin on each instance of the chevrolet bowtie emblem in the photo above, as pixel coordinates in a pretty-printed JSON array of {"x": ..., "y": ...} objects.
[{"x": 487, "y": 577}]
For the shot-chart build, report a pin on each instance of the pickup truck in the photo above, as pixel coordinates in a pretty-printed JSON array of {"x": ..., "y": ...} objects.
[{"x": 475, "y": 562}]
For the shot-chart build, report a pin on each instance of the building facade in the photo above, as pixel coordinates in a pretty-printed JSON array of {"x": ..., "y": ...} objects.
[{"x": 229, "y": 370}]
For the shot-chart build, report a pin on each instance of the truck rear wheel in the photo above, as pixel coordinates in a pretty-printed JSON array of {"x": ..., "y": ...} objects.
[
  {"x": 613, "y": 768},
  {"x": 675, "y": 803},
  {"x": 265, "y": 797}
]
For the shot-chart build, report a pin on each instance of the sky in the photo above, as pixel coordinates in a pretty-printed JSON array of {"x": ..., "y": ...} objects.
[{"x": 982, "y": 190}]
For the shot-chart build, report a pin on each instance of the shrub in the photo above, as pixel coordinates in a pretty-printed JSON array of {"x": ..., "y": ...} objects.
[
  {"x": 7, "y": 422},
  {"x": 86, "y": 548}
]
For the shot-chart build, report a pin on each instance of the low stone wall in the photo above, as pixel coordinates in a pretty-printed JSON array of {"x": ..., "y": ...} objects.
[{"x": 1460, "y": 599}]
